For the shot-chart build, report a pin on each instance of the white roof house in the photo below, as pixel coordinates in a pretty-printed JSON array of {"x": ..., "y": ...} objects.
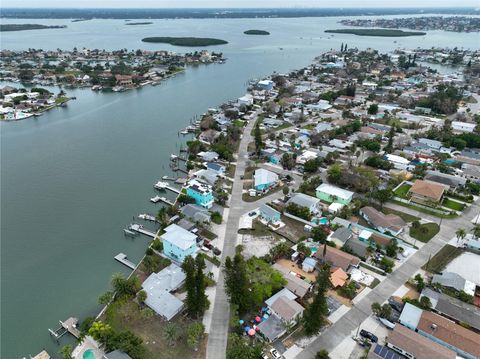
[
  {"x": 178, "y": 236},
  {"x": 463, "y": 126},
  {"x": 335, "y": 191},
  {"x": 263, "y": 177}
]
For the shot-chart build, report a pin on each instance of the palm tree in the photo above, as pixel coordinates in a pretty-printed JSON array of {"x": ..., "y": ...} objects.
[
  {"x": 171, "y": 333},
  {"x": 460, "y": 233},
  {"x": 476, "y": 231}
]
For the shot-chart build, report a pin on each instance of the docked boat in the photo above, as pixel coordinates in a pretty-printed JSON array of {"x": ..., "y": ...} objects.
[
  {"x": 160, "y": 185},
  {"x": 147, "y": 217},
  {"x": 129, "y": 233},
  {"x": 155, "y": 199},
  {"x": 96, "y": 88}
]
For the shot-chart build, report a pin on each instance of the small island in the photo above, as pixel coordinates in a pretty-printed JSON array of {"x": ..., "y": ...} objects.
[
  {"x": 256, "y": 32},
  {"x": 377, "y": 32},
  {"x": 186, "y": 41},
  {"x": 139, "y": 23},
  {"x": 22, "y": 27}
]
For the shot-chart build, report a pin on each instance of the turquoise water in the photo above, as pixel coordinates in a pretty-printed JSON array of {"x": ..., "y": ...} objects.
[
  {"x": 314, "y": 249},
  {"x": 88, "y": 354},
  {"x": 74, "y": 177}
]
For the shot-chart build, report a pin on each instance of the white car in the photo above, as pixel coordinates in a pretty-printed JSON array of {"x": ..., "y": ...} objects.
[{"x": 275, "y": 353}]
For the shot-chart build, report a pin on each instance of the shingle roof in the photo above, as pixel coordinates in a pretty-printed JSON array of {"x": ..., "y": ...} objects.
[
  {"x": 286, "y": 309},
  {"x": 378, "y": 219},
  {"x": 418, "y": 345},
  {"x": 428, "y": 189},
  {"x": 450, "y": 332},
  {"x": 303, "y": 200},
  {"x": 337, "y": 258},
  {"x": 294, "y": 283}
]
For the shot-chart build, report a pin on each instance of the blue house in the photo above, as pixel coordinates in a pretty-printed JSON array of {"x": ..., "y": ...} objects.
[
  {"x": 264, "y": 180},
  {"x": 265, "y": 85},
  {"x": 201, "y": 193},
  {"x": 269, "y": 214},
  {"x": 178, "y": 243}
]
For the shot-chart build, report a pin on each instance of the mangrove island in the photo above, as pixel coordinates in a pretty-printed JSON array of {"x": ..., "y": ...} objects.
[
  {"x": 186, "y": 41},
  {"x": 139, "y": 23},
  {"x": 377, "y": 32},
  {"x": 256, "y": 32},
  {"x": 22, "y": 27}
]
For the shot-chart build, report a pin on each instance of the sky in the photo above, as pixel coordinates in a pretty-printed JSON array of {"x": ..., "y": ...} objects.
[{"x": 234, "y": 3}]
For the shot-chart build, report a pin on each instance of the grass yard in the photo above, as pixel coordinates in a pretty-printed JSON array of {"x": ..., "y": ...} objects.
[
  {"x": 402, "y": 190},
  {"x": 438, "y": 262},
  {"x": 128, "y": 315},
  {"x": 425, "y": 232},
  {"x": 456, "y": 206},
  {"x": 258, "y": 230},
  {"x": 247, "y": 198},
  {"x": 425, "y": 210},
  {"x": 405, "y": 216}
]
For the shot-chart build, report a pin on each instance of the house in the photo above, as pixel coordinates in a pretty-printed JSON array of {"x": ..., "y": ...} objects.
[
  {"x": 357, "y": 247},
  {"x": 208, "y": 136},
  {"x": 472, "y": 244},
  {"x": 309, "y": 264},
  {"x": 245, "y": 100},
  {"x": 446, "y": 179},
  {"x": 208, "y": 156},
  {"x": 179, "y": 243},
  {"x": 449, "y": 334},
  {"x": 124, "y": 80},
  {"x": 116, "y": 354},
  {"x": 378, "y": 351},
  {"x": 272, "y": 328},
  {"x": 458, "y": 126},
  {"x": 337, "y": 258},
  {"x": 454, "y": 281},
  {"x": 413, "y": 345},
  {"x": 264, "y": 179},
  {"x": 341, "y": 236},
  {"x": 217, "y": 168},
  {"x": 329, "y": 193},
  {"x": 383, "y": 222},
  {"x": 294, "y": 283},
  {"x": 426, "y": 191},
  {"x": 338, "y": 277},
  {"x": 208, "y": 176},
  {"x": 159, "y": 286},
  {"x": 283, "y": 304},
  {"x": 453, "y": 308},
  {"x": 265, "y": 85},
  {"x": 201, "y": 193},
  {"x": 196, "y": 213},
  {"x": 306, "y": 201},
  {"x": 269, "y": 214},
  {"x": 398, "y": 162},
  {"x": 471, "y": 172}
]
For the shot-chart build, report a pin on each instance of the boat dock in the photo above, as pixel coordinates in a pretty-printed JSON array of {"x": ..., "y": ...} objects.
[
  {"x": 157, "y": 199},
  {"x": 135, "y": 227},
  {"x": 122, "y": 258},
  {"x": 68, "y": 326},
  {"x": 165, "y": 186}
]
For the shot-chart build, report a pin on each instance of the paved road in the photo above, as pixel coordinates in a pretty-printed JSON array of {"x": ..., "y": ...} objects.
[
  {"x": 334, "y": 335},
  {"x": 217, "y": 338}
]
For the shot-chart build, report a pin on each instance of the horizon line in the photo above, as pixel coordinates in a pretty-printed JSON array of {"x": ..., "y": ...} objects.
[{"x": 246, "y": 8}]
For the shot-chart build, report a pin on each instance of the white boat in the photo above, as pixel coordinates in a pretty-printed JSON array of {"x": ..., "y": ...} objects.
[
  {"x": 184, "y": 132},
  {"x": 128, "y": 232},
  {"x": 118, "y": 89},
  {"x": 161, "y": 185},
  {"x": 147, "y": 217},
  {"x": 155, "y": 199},
  {"x": 173, "y": 157},
  {"x": 96, "y": 88}
]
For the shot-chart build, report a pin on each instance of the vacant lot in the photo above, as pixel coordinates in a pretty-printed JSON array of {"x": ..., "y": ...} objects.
[
  {"x": 439, "y": 261},
  {"x": 424, "y": 232}
]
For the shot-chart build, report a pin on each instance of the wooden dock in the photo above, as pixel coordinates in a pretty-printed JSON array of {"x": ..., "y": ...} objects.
[
  {"x": 135, "y": 227},
  {"x": 122, "y": 258},
  {"x": 68, "y": 326}
]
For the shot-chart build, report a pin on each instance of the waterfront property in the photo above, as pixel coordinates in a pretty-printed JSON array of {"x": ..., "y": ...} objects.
[
  {"x": 329, "y": 193},
  {"x": 159, "y": 286},
  {"x": 179, "y": 243},
  {"x": 201, "y": 193}
]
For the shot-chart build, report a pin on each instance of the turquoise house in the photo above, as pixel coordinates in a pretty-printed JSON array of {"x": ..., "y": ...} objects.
[
  {"x": 178, "y": 243},
  {"x": 201, "y": 193},
  {"x": 264, "y": 180},
  {"x": 269, "y": 214},
  {"x": 329, "y": 194}
]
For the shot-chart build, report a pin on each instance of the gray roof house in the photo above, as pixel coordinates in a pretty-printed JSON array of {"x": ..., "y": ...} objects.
[
  {"x": 341, "y": 236},
  {"x": 195, "y": 213},
  {"x": 158, "y": 287},
  {"x": 357, "y": 247},
  {"x": 455, "y": 281},
  {"x": 303, "y": 200},
  {"x": 272, "y": 328},
  {"x": 446, "y": 179}
]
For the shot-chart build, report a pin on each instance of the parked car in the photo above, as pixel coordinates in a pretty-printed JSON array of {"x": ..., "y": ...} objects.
[
  {"x": 264, "y": 356},
  {"x": 217, "y": 251},
  {"x": 368, "y": 335},
  {"x": 275, "y": 353}
]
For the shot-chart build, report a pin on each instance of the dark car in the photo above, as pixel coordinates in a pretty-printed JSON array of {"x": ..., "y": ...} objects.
[
  {"x": 369, "y": 335},
  {"x": 395, "y": 304},
  {"x": 217, "y": 251}
]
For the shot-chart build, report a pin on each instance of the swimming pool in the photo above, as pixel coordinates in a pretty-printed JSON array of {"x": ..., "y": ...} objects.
[
  {"x": 88, "y": 354},
  {"x": 322, "y": 220}
]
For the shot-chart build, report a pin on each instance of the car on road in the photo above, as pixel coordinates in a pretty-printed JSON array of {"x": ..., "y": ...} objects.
[
  {"x": 275, "y": 353},
  {"x": 253, "y": 213},
  {"x": 217, "y": 251},
  {"x": 368, "y": 335}
]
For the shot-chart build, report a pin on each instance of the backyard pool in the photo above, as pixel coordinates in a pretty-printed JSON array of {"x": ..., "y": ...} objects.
[
  {"x": 88, "y": 354},
  {"x": 322, "y": 220}
]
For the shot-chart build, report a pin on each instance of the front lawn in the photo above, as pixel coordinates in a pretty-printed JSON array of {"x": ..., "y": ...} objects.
[
  {"x": 440, "y": 260},
  {"x": 405, "y": 216},
  {"x": 456, "y": 206},
  {"x": 402, "y": 190},
  {"x": 424, "y": 232}
]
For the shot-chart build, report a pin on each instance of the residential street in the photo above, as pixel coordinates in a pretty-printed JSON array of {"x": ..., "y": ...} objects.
[{"x": 334, "y": 335}]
